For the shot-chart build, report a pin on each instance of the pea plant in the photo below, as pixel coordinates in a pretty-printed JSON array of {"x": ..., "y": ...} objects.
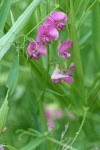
[{"x": 49, "y": 75}]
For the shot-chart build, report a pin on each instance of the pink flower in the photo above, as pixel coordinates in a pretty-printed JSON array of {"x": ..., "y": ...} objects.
[
  {"x": 59, "y": 113},
  {"x": 45, "y": 33},
  {"x": 48, "y": 113},
  {"x": 50, "y": 124},
  {"x": 71, "y": 116},
  {"x": 57, "y": 19},
  {"x": 62, "y": 76},
  {"x": 64, "y": 49},
  {"x": 35, "y": 49},
  {"x": 1, "y": 148}
]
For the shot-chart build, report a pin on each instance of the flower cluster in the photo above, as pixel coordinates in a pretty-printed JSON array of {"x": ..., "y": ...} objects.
[
  {"x": 56, "y": 114},
  {"x": 46, "y": 32},
  {"x": 49, "y": 31}
]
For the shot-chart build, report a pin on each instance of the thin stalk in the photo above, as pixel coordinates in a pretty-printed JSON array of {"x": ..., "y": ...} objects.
[
  {"x": 96, "y": 33},
  {"x": 40, "y": 22},
  {"x": 80, "y": 128},
  {"x": 41, "y": 98},
  {"x": 84, "y": 13},
  {"x": 76, "y": 53}
]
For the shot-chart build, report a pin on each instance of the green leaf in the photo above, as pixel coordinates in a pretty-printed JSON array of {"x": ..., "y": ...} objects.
[
  {"x": 3, "y": 14},
  {"x": 7, "y": 40},
  {"x": 3, "y": 113},
  {"x": 34, "y": 143},
  {"x": 13, "y": 75}
]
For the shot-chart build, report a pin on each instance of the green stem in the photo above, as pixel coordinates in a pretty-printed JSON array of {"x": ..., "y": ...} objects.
[
  {"x": 76, "y": 53},
  {"x": 41, "y": 98},
  {"x": 96, "y": 33},
  {"x": 77, "y": 133}
]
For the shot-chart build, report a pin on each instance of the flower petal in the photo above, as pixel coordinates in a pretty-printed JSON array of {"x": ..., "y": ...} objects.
[
  {"x": 36, "y": 56},
  {"x": 60, "y": 26},
  {"x": 68, "y": 79},
  {"x": 66, "y": 55},
  {"x": 40, "y": 34},
  {"x": 42, "y": 49},
  {"x": 50, "y": 21},
  {"x": 65, "y": 47},
  {"x": 51, "y": 31},
  {"x": 31, "y": 47},
  {"x": 71, "y": 68},
  {"x": 59, "y": 16},
  {"x": 1, "y": 148}
]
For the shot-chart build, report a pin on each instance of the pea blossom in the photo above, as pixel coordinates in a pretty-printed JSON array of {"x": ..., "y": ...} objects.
[
  {"x": 57, "y": 19},
  {"x": 64, "y": 49},
  {"x": 35, "y": 49},
  {"x": 46, "y": 32},
  {"x": 1, "y": 148},
  {"x": 63, "y": 76}
]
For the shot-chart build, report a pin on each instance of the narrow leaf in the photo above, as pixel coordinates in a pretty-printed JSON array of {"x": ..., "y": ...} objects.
[
  {"x": 3, "y": 14},
  {"x": 13, "y": 75}
]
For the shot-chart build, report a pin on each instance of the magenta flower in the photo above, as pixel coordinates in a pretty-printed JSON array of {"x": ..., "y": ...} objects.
[
  {"x": 57, "y": 19},
  {"x": 1, "y": 148},
  {"x": 62, "y": 76},
  {"x": 45, "y": 33},
  {"x": 35, "y": 49},
  {"x": 50, "y": 124},
  {"x": 64, "y": 49},
  {"x": 48, "y": 113},
  {"x": 59, "y": 113},
  {"x": 71, "y": 116}
]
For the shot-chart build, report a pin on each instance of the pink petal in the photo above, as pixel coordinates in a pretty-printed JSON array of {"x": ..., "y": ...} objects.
[
  {"x": 59, "y": 16},
  {"x": 35, "y": 56},
  {"x": 31, "y": 47},
  {"x": 59, "y": 113},
  {"x": 40, "y": 33},
  {"x": 68, "y": 79},
  {"x": 50, "y": 123},
  {"x": 56, "y": 74},
  {"x": 42, "y": 49},
  {"x": 1, "y": 148},
  {"x": 50, "y": 21},
  {"x": 66, "y": 55},
  {"x": 65, "y": 47},
  {"x": 71, "y": 68},
  {"x": 51, "y": 32},
  {"x": 60, "y": 26},
  {"x": 48, "y": 113}
]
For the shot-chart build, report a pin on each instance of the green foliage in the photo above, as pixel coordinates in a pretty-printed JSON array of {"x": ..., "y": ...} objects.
[{"x": 29, "y": 84}]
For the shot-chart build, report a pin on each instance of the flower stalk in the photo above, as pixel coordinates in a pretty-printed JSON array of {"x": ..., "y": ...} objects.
[{"x": 76, "y": 53}]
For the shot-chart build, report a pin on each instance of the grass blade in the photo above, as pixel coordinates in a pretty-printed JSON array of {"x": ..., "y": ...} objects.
[{"x": 3, "y": 14}]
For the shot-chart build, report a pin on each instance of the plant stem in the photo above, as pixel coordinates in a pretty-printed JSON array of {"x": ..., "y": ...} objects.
[
  {"x": 77, "y": 133},
  {"x": 76, "y": 53},
  {"x": 41, "y": 98},
  {"x": 96, "y": 33}
]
